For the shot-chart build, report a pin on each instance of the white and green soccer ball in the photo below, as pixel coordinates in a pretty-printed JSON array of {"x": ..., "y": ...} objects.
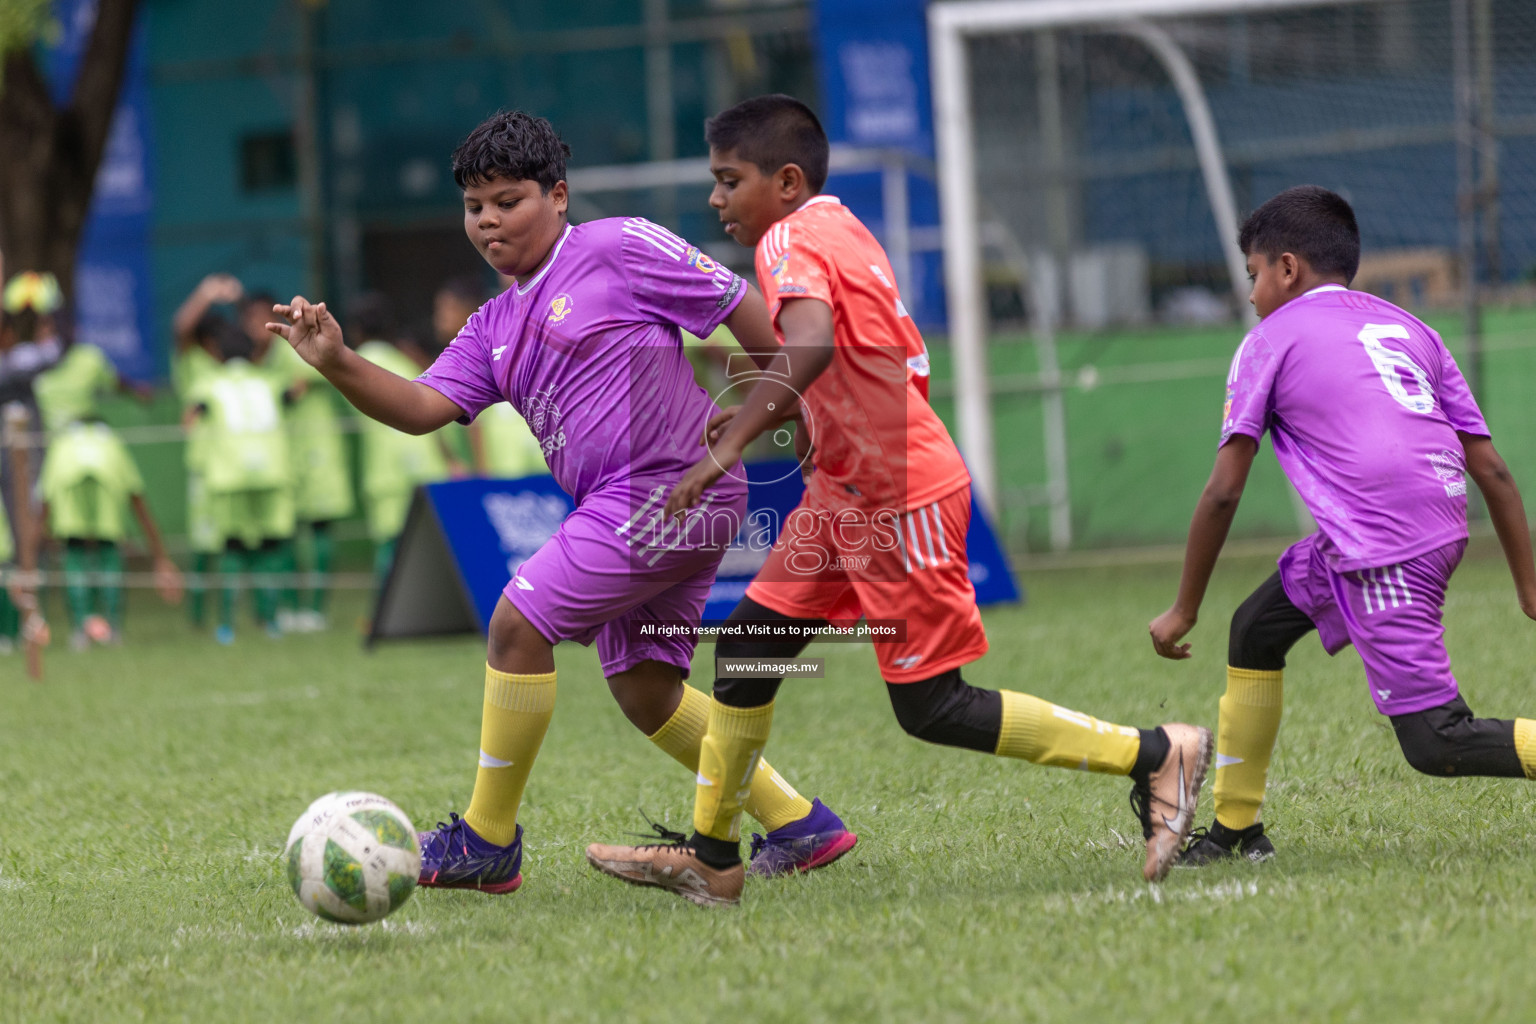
[{"x": 352, "y": 858}]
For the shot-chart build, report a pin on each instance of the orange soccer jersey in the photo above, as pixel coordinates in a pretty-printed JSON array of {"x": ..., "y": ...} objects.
[
  {"x": 878, "y": 443},
  {"x": 881, "y": 529}
]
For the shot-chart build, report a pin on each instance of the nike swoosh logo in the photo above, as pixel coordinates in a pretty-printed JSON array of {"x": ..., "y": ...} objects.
[
  {"x": 1222, "y": 760},
  {"x": 487, "y": 761},
  {"x": 1176, "y": 825},
  {"x": 701, "y": 780}
]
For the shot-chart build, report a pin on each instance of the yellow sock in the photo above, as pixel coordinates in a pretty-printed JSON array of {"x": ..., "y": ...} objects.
[
  {"x": 1246, "y": 724},
  {"x": 728, "y": 759},
  {"x": 772, "y": 801},
  {"x": 1525, "y": 745},
  {"x": 512, "y": 726},
  {"x": 1039, "y": 731}
]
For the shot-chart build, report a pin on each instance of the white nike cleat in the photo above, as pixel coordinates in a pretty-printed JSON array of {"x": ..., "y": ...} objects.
[{"x": 1166, "y": 805}]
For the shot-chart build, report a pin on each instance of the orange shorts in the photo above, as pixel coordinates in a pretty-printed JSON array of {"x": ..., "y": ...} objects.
[{"x": 909, "y": 568}]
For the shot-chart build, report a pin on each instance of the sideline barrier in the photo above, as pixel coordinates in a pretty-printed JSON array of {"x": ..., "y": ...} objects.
[{"x": 463, "y": 539}]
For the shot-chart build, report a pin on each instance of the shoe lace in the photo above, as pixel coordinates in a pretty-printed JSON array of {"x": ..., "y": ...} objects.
[
  {"x": 666, "y": 835},
  {"x": 452, "y": 831},
  {"x": 759, "y": 844},
  {"x": 1141, "y": 806}
]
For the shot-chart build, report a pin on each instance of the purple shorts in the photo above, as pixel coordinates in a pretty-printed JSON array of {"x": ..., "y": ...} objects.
[
  {"x": 606, "y": 571},
  {"x": 1390, "y": 614}
]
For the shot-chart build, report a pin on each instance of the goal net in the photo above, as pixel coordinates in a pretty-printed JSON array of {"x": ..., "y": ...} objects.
[{"x": 1097, "y": 157}]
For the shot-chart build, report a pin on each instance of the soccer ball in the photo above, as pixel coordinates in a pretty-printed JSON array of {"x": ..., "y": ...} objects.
[{"x": 352, "y": 858}]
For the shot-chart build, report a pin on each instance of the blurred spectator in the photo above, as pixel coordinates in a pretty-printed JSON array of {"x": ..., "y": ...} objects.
[
  {"x": 246, "y": 474},
  {"x": 500, "y": 443},
  {"x": 196, "y": 329},
  {"x": 89, "y": 482},
  {"x": 322, "y": 476},
  {"x": 393, "y": 463},
  {"x": 10, "y": 618},
  {"x": 30, "y": 306}
]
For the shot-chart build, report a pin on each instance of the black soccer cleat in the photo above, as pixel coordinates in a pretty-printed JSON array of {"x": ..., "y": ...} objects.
[{"x": 1218, "y": 843}]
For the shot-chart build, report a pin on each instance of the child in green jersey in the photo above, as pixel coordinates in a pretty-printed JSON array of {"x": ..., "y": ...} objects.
[
  {"x": 245, "y": 473},
  {"x": 196, "y": 328},
  {"x": 89, "y": 482},
  {"x": 394, "y": 463}
]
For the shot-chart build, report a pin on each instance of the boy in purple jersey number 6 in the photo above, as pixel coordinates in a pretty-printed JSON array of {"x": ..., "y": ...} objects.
[
  {"x": 1374, "y": 424},
  {"x": 587, "y": 348}
]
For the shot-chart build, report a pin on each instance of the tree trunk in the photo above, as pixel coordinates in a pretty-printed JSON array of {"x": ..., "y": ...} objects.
[{"x": 49, "y": 154}]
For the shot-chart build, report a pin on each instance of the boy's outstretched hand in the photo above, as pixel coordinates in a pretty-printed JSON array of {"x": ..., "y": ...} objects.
[
  {"x": 1167, "y": 630},
  {"x": 696, "y": 481},
  {"x": 311, "y": 330}
]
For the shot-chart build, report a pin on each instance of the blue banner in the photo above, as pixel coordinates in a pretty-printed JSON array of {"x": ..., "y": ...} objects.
[
  {"x": 465, "y": 538},
  {"x": 873, "y": 63},
  {"x": 111, "y": 304}
]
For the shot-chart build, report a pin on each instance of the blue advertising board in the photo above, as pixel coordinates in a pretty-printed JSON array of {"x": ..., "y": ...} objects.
[
  {"x": 464, "y": 539},
  {"x": 872, "y": 57},
  {"x": 111, "y": 304}
]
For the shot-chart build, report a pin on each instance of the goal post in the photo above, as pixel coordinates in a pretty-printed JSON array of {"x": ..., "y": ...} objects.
[{"x": 1062, "y": 125}]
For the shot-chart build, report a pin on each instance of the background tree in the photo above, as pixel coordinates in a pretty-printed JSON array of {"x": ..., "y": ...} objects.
[{"x": 49, "y": 153}]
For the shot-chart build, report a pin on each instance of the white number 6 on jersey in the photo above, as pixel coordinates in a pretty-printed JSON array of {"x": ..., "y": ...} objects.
[{"x": 1389, "y": 361}]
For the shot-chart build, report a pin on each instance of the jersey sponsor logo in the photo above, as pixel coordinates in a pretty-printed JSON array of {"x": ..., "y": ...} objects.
[
  {"x": 543, "y": 417},
  {"x": 496, "y": 353},
  {"x": 919, "y": 364},
  {"x": 792, "y": 289},
  {"x": 907, "y": 661},
  {"x": 1449, "y": 468},
  {"x": 521, "y": 583},
  {"x": 560, "y": 307}
]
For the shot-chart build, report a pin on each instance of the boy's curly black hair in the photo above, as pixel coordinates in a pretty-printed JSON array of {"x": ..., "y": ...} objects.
[{"x": 511, "y": 144}]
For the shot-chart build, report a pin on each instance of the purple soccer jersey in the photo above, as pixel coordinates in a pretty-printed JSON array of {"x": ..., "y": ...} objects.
[
  {"x": 1363, "y": 403},
  {"x": 589, "y": 352}
]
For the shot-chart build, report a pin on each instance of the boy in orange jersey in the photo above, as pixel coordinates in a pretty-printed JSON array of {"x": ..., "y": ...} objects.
[{"x": 883, "y": 519}]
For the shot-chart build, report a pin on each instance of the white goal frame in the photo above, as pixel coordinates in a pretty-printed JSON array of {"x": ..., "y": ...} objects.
[{"x": 949, "y": 26}]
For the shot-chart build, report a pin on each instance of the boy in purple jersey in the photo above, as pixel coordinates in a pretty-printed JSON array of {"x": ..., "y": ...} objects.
[
  {"x": 586, "y": 347},
  {"x": 1375, "y": 426}
]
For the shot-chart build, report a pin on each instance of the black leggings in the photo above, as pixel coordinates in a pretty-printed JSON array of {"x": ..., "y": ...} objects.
[
  {"x": 944, "y": 709},
  {"x": 1444, "y": 740}
]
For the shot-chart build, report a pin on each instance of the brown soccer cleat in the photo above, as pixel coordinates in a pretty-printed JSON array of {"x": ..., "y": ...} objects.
[
  {"x": 671, "y": 866},
  {"x": 1166, "y": 805}
]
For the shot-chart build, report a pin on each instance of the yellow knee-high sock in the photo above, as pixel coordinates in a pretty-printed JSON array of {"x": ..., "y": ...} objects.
[
  {"x": 728, "y": 759},
  {"x": 1039, "y": 731},
  {"x": 772, "y": 801},
  {"x": 1525, "y": 745},
  {"x": 1246, "y": 724},
  {"x": 512, "y": 726}
]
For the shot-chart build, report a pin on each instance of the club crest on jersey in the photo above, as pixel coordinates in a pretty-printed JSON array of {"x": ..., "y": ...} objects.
[
  {"x": 560, "y": 307},
  {"x": 700, "y": 262}
]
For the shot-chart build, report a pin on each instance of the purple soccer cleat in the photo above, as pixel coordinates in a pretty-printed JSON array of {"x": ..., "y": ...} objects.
[
  {"x": 453, "y": 856},
  {"x": 814, "y": 841}
]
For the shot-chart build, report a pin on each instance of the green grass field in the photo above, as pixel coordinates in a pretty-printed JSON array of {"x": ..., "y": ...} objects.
[{"x": 147, "y": 792}]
